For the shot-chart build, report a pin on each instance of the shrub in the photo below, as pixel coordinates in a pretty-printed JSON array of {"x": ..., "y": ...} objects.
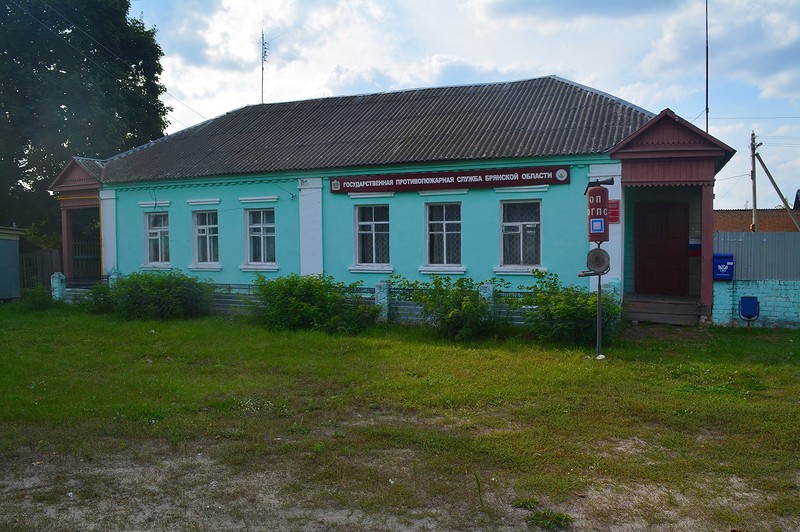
[
  {"x": 312, "y": 302},
  {"x": 37, "y": 298},
  {"x": 161, "y": 295},
  {"x": 455, "y": 308},
  {"x": 100, "y": 299},
  {"x": 568, "y": 313}
]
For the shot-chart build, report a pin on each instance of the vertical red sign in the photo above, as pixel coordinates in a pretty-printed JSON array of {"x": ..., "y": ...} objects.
[
  {"x": 613, "y": 211},
  {"x": 598, "y": 214}
]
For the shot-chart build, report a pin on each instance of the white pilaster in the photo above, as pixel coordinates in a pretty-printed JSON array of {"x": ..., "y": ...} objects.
[
  {"x": 310, "y": 207},
  {"x": 108, "y": 229}
]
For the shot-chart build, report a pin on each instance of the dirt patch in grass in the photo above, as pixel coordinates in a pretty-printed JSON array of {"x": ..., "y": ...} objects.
[
  {"x": 652, "y": 507},
  {"x": 157, "y": 487},
  {"x": 154, "y": 486}
]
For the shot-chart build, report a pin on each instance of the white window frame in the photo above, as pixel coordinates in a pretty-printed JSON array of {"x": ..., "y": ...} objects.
[
  {"x": 260, "y": 265},
  {"x": 209, "y": 232},
  {"x": 445, "y": 266},
  {"x": 519, "y": 227},
  {"x": 157, "y": 234},
  {"x": 369, "y": 227}
]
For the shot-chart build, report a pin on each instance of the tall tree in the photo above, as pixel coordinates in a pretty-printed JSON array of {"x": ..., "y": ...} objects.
[{"x": 79, "y": 77}]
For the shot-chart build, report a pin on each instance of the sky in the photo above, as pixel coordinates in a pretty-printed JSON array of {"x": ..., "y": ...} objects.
[{"x": 650, "y": 53}]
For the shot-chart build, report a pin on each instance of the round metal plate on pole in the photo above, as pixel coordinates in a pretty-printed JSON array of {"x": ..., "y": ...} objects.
[{"x": 598, "y": 261}]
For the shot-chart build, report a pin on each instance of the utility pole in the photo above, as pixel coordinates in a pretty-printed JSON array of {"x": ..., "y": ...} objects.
[{"x": 753, "y": 146}]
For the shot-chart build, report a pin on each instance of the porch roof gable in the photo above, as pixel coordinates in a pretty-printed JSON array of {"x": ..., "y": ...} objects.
[
  {"x": 79, "y": 174},
  {"x": 669, "y": 150}
]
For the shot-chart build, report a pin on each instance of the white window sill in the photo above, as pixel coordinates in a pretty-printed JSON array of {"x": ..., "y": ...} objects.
[
  {"x": 439, "y": 269},
  {"x": 371, "y": 268},
  {"x": 206, "y": 267},
  {"x": 259, "y": 267},
  {"x": 518, "y": 270},
  {"x": 156, "y": 266}
]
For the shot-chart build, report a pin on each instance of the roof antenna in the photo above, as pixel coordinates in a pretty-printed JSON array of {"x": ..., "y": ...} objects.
[
  {"x": 706, "y": 66},
  {"x": 264, "y": 55}
]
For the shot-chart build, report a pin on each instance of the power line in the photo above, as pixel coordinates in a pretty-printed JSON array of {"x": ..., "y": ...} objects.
[
  {"x": 755, "y": 118},
  {"x": 730, "y": 177}
]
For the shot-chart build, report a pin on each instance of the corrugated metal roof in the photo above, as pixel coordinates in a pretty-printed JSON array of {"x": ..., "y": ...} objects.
[
  {"x": 539, "y": 117},
  {"x": 94, "y": 167}
]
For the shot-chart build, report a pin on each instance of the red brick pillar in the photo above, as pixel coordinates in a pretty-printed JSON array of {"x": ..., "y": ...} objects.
[{"x": 707, "y": 250}]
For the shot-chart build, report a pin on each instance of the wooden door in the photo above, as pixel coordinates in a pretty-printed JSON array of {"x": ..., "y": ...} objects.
[{"x": 661, "y": 245}]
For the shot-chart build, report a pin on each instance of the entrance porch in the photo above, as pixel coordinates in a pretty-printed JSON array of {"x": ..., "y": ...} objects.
[
  {"x": 668, "y": 169},
  {"x": 78, "y": 190}
]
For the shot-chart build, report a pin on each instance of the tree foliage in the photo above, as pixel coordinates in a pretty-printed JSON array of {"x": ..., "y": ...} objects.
[{"x": 80, "y": 78}]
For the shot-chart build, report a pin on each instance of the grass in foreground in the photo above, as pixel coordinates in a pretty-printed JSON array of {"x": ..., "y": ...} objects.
[{"x": 698, "y": 424}]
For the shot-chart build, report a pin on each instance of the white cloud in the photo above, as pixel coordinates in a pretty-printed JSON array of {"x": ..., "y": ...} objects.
[
  {"x": 653, "y": 95},
  {"x": 648, "y": 53}
]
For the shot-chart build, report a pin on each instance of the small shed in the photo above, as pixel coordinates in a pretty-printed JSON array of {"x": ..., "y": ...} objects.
[{"x": 9, "y": 262}]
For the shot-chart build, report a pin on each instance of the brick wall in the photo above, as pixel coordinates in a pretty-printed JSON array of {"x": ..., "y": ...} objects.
[
  {"x": 780, "y": 302},
  {"x": 739, "y": 220}
]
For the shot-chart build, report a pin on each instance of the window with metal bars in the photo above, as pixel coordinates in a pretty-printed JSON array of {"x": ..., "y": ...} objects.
[
  {"x": 157, "y": 238},
  {"x": 521, "y": 233},
  {"x": 373, "y": 234},
  {"x": 261, "y": 236},
  {"x": 444, "y": 233},
  {"x": 206, "y": 237}
]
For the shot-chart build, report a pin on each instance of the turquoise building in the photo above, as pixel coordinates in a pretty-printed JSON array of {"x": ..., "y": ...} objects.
[{"x": 481, "y": 181}]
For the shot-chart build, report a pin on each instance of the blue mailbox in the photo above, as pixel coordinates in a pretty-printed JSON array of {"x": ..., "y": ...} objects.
[{"x": 723, "y": 266}]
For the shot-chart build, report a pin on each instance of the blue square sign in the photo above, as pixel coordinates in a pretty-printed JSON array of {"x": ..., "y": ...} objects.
[{"x": 597, "y": 225}]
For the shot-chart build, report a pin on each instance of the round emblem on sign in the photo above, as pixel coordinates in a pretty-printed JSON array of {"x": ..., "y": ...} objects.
[{"x": 561, "y": 174}]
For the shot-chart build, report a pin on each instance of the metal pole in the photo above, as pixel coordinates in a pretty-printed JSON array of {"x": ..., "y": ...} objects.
[
  {"x": 263, "y": 53},
  {"x": 706, "y": 66},
  {"x": 754, "y": 225},
  {"x": 778, "y": 190},
  {"x": 599, "y": 349}
]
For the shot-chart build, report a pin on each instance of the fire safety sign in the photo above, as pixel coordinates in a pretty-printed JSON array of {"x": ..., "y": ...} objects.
[{"x": 598, "y": 226}]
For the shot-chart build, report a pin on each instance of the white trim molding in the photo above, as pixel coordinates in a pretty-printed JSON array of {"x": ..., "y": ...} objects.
[
  {"x": 206, "y": 267},
  {"x": 443, "y": 269},
  {"x": 151, "y": 204},
  {"x": 371, "y": 268},
  {"x": 259, "y": 199},
  {"x": 207, "y": 201},
  {"x": 259, "y": 267},
  {"x": 518, "y": 270}
]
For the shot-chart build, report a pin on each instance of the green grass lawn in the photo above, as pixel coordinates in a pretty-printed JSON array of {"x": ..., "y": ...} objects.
[{"x": 675, "y": 426}]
